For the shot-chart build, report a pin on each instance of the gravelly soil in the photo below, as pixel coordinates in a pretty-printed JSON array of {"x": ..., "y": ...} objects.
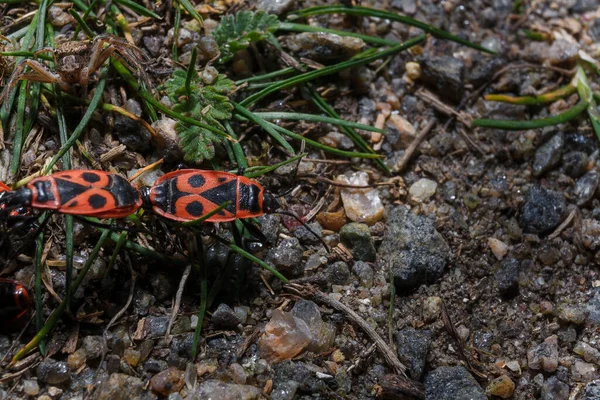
[{"x": 494, "y": 256}]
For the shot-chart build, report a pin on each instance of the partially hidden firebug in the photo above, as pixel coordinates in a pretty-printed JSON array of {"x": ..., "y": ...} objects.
[
  {"x": 15, "y": 301},
  {"x": 188, "y": 194},
  {"x": 79, "y": 192}
]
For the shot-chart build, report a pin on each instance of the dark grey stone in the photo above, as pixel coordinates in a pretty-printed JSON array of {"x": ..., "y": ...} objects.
[
  {"x": 412, "y": 347},
  {"x": 357, "y": 238},
  {"x": 549, "y": 154},
  {"x": 542, "y": 211},
  {"x": 413, "y": 249},
  {"x": 452, "y": 383},
  {"x": 444, "y": 74},
  {"x": 224, "y": 317},
  {"x": 507, "y": 277}
]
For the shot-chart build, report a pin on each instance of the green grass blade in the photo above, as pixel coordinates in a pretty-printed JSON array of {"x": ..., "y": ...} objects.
[
  {"x": 352, "y": 134},
  {"x": 568, "y": 115},
  {"x": 138, "y": 8},
  {"x": 238, "y": 152},
  {"x": 263, "y": 77},
  {"x": 86, "y": 29},
  {"x": 263, "y": 124},
  {"x": 99, "y": 91},
  {"x": 53, "y": 319},
  {"x": 191, "y": 72},
  {"x": 323, "y": 147},
  {"x": 586, "y": 94},
  {"x": 206, "y": 216},
  {"x": 19, "y": 128},
  {"x": 201, "y": 313},
  {"x": 329, "y": 70},
  {"x": 165, "y": 110},
  {"x": 292, "y": 27},
  {"x": 546, "y": 98},
  {"x": 372, "y": 12},
  {"x": 258, "y": 171},
  {"x": 39, "y": 305},
  {"x": 176, "y": 30},
  {"x": 316, "y": 118},
  {"x": 189, "y": 7}
]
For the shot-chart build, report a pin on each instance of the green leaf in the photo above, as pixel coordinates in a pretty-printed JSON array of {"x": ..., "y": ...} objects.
[
  {"x": 205, "y": 103},
  {"x": 236, "y": 32}
]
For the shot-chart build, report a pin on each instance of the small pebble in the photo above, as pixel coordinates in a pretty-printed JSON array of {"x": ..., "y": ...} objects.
[
  {"x": 431, "y": 308},
  {"x": 31, "y": 387},
  {"x": 168, "y": 381},
  {"x": 238, "y": 373},
  {"x": 544, "y": 356},
  {"x": 553, "y": 389},
  {"x": 224, "y": 317},
  {"x": 53, "y": 372},
  {"x": 357, "y": 238},
  {"x": 413, "y": 70},
  {"x": 502, "y": 387},
  {"x": 422, "y": 190},
  {"x": 583, "y": 372},
  {"x": 284, "y": 337},
  {"x": 498, "y": 247},
  {"x": 361, "y": 205},
  {"x": 571, "y": 313},
  {"x": 76, "y": 360},
  {"x": 132, "y": 357}
]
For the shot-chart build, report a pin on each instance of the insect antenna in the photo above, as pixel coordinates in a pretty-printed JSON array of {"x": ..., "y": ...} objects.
[{"x": 290, "y": 214}]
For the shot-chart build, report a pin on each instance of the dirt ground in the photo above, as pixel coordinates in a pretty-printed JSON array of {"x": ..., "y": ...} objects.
[{"x": 490, "y": 236}]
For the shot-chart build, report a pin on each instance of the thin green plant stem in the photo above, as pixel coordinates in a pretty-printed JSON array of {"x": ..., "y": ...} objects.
[
  {"x": 120, "y": 19},
  {"x": 66, "y": 160},
  {"x": 132, "y": 5},
  {"x": 165, "y": 110},
  {"x": 86, "y": 14},
  {"x": 585, "y": 94},
  {"x": 86, "y": 29},
  {"x": 201, "y": 313},
  {"x": 58, "y": 311},
  {"x": 372, "y": 12},
  {"x": 206, "y": 216},
  {"x": 113, "y": 259},
  {"x": 25, "y": 44},
  {"x": 270, "y": 75},
  {"x": 290, "y": 26},
  {"x": 352, "y": 134},
  {"x": 133, "y": 84},
  {"x": 263, "y": 124},
  {"x": 19, "y": 128},
  {"x": 189, "y": 7},
  {"x": 329, "y": 70},
  {"x": 317, "y": 145},
  {"x": 191, "y": 72},
  {"x": 176, "y": 27},
  {"x": 568, "y": 115},
  {"x": 39, "y": 306},
  {"x": 26, "y": 54},
  {"x": 82, "y": 123},
  {"x": 236, "y": 147},
  {"x": 265, "y": 170},
  {"x": 258, "y": 261},
  {"x": 83, "y": 7},
  {"x": 549, "y": 97},
  {"x": 316, "y": 118}
]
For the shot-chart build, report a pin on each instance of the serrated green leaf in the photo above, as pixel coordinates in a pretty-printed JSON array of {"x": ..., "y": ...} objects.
[
  {"x": 236, "y": 32},
  {"x": 208, "y": 104}
]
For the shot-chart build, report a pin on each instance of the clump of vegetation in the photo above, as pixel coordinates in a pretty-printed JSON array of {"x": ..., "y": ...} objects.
[{"x": 206, "y": 101}]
